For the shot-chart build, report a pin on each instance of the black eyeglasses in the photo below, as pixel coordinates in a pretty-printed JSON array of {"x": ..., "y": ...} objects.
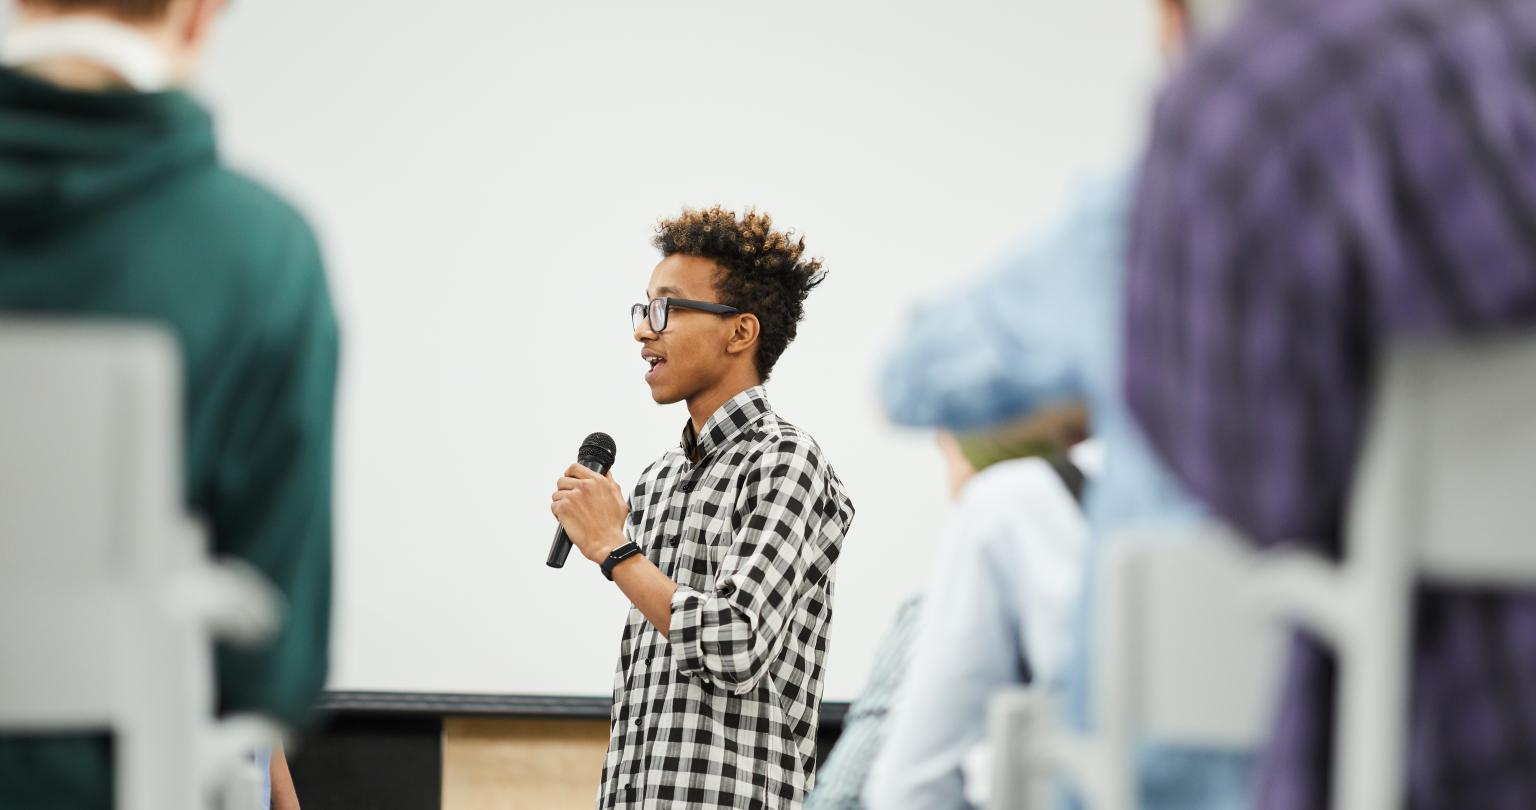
[{"x": 656, "y": 311}]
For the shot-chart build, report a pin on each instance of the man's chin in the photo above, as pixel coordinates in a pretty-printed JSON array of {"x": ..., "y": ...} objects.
[{"x": 664, "y": 396}]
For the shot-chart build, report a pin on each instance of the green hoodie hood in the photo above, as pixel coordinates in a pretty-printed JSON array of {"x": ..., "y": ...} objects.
[{"x": 64, "y": 154}]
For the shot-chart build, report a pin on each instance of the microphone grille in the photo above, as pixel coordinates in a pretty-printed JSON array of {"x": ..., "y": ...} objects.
[{"x": 598, "y": 447}]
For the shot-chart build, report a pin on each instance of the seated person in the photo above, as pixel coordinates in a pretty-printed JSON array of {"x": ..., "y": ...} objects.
[
  {"x": 114, "y": 204},
  {"x": 1009, "y": 477},
  {"x": 1000, "y": 610}
]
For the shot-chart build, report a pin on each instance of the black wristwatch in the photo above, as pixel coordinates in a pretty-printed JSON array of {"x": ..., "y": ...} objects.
[{"x": 617, "y": 556}]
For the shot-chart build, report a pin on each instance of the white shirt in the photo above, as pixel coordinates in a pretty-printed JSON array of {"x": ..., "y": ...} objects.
[
  {"x": 1006, "y": 589},
  {"x": 117, "y": 47}
]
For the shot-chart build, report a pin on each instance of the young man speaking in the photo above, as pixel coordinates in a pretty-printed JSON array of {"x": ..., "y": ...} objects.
[{"x": 726, "y": 548}]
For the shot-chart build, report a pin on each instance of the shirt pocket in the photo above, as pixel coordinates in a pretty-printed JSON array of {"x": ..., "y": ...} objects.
[
  {"x": 707, "y": 532},
  {"x": 711, "y": 514}
]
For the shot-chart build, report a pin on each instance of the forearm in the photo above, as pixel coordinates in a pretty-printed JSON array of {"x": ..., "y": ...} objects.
[
  {"x": 648, "y": 589},
  {"x": 284, "y": 796},
  {"x": 732, "y": 654}
]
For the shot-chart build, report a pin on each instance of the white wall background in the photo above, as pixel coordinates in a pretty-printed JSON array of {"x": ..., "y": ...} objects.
[{"x": 485, "y": 177}]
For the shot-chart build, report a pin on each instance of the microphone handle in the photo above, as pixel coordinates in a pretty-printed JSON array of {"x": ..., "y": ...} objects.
[{"x": 561, "y": 547}]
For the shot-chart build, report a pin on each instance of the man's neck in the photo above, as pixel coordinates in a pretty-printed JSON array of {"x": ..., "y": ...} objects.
[
  {"x": 77, "y": 74},
  {"x": 703, "y": 406},
  {"x": 87, "y": 52}
]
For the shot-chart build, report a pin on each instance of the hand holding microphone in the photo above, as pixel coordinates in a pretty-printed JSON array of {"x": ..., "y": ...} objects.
[{"x": 589, "y": 505}]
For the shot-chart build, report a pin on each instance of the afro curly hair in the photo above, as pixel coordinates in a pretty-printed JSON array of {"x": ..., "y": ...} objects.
[{"x": 763, "y": 271}]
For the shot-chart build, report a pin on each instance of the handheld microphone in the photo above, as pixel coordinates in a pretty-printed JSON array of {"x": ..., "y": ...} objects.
[{"x": 596, "y": 454}]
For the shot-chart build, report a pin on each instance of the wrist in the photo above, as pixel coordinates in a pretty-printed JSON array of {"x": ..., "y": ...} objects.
[
  {"x": 611, "y": 541},
  {"x": 620, "y": 556}
]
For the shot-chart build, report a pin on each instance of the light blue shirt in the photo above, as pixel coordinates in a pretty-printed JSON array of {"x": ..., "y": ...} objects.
[
  {"x": 264, "y": 762},
  {"x": 1042, "y": 326}
]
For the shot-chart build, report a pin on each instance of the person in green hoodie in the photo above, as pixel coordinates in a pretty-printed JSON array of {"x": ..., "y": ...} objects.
[{"x": 114, "y": 204}]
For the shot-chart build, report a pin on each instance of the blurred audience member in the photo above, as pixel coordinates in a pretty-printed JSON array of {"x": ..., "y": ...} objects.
[
  {"x": 1326, "y": 178},
  {"x": 114, "y": 204},
  {"x": 1000, "y": 610},
  {"x": 993, "y": 521},
  {"x": 840, "y": 782}
]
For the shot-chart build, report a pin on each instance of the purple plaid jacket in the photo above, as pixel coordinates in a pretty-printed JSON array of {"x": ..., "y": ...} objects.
[{"x": 1325, "y": 177}]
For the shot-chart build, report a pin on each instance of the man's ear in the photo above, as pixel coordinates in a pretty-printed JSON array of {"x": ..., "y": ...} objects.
[
  {"x": 1173, "y": 28},
  {"x": 745, "y": 330},
  {"x": 200, "y": 20}
]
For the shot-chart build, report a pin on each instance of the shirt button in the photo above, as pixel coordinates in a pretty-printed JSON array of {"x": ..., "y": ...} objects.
[{"x": 672, "y": 542}]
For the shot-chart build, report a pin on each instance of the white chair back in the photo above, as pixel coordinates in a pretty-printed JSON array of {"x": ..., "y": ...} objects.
[
  {"x": 1181, "y": 657},
  {"x": 108, "y": 606},
  {"x": 1443, "y": 493}
]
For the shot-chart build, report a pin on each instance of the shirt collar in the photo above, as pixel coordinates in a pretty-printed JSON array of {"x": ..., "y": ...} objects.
[
  {"x": 741, "y": 411},
  {"x": 115, "y": 46}
]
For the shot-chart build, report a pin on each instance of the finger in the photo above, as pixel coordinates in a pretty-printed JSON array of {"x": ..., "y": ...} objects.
[
  {"x": 567, "y": 483},
  {"x": 578, "y": 471}
]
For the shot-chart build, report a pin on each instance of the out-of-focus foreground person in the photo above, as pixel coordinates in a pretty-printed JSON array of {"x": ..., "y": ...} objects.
[
  {"x": 114, "y": 204},
  {"x": 1324, "y": 180}
]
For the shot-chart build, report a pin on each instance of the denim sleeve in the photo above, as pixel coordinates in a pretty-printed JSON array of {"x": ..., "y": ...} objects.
[{"x": 1020, "y": 336}]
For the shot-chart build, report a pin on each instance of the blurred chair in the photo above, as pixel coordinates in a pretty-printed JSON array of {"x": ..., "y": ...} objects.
[
  {"x": 1443, "y": 493},
  {"x": 1182, "y": 658},
  {"x": 109, "y": 606}
]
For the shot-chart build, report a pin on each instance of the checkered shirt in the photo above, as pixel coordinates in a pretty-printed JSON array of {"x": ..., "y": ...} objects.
[
  {"x": 723, "y": 711},
  {"x": 1326, "y": 178}
]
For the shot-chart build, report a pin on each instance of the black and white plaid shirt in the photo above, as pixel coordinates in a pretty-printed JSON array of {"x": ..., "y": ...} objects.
[{"x": 723, "y": 712}]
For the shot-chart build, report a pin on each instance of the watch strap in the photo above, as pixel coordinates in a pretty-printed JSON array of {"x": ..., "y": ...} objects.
[{"x": 617, "y": 556}]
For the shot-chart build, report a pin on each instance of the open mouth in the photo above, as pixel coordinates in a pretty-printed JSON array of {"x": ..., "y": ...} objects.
[{"x": 655, "y": 364}]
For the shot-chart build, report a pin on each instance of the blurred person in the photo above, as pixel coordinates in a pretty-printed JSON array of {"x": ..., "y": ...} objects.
[
  {"x": 1046, "y": 326},
  {"x": 727, "y": 546},
  {"x": 980, "y": 532},
  {"x": 1324, "y": 180},
  {"x": 1000, "y": 610},
  {"x": 114, "y": 204},
  {"x": 840, "y": 780}
]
